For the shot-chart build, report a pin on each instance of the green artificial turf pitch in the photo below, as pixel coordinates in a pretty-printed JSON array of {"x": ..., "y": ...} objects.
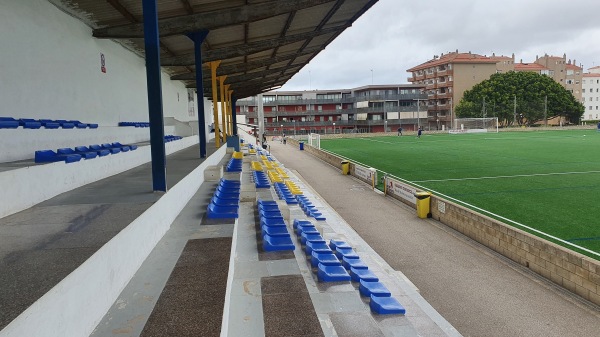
[{"x": 547, "y": 180}]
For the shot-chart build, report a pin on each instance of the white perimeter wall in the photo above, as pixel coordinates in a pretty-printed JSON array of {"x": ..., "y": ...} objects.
[{"x": 50, "y": 68}]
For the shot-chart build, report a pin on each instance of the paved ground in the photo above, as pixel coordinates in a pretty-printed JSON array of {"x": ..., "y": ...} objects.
[
  {"x": 479, "y": 292},
  {"x": 42, "y": 244}
]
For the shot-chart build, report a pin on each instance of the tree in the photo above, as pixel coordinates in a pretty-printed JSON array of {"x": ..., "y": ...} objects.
[{"x": 496, "y": 97}]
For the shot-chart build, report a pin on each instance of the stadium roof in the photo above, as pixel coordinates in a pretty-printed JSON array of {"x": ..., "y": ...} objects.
[{"x": 261, "y": 43}]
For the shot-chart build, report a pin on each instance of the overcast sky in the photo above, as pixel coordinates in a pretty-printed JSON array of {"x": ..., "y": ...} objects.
[{"x": 395, "y": 35}]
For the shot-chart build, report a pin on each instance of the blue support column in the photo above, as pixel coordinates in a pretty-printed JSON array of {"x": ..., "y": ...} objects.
[
  {"x": 234, "y": 115},
  {"x": 155, "y": 104},
  {"x": 198, "y": 38}
]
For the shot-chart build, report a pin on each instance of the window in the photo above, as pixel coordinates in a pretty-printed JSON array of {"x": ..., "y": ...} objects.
[
  {"x": 273, "y": 108},
  {"x": 320, "y": 107},
  {"x": 590, "y": 108},
  {"x": 583, "y": 91}
]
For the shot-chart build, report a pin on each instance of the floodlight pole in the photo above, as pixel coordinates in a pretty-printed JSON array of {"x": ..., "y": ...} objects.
[{"x": 515, "y": 110}]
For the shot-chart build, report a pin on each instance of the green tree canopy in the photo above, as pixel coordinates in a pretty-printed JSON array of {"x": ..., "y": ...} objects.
[{"x": 496, "y": 97}]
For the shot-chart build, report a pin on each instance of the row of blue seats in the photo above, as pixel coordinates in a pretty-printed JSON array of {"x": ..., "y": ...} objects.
[
  {"x": 170, "y": 138},
  {"x": 234, "y": 165},
  {"x": 338, "y": 262},
  {"x": 274, "y": 232},
  {"x": 135, "y": 124},
  {"x": 260, "y": 179},
  {"x": 308, "y": 208},
  {"x": 70, "y": 155},
  {"x": 225, "y": 202},
  {"x": 29, "y": 123},
  {"x": 283, "y": 192}
]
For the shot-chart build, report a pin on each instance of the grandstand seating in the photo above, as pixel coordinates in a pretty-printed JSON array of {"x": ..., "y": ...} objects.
[
  {"x": 135, "y": 124},
  {"x": 170, "y": 138},
  {"x": 338, "y": 262},
  {"x": 70, "y": 155},
  {"x": 225, "y": 202},
  {"x": 275, "y": 236},
  {"x": 29, "y": 123}
]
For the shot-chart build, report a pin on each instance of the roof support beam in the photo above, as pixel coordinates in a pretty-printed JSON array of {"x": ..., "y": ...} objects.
[
  {"x": 251, "y": 48},
  {"x": 260, "y": 74},
  {"x": 248, "y": 67},
  {"x": 209, "y": 20}
]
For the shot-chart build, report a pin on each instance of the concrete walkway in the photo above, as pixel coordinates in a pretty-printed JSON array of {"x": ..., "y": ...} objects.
[{"x": 479, "y": 292}]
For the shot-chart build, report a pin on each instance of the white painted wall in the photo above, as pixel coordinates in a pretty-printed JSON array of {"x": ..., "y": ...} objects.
[
  {"x": 28, "y": 186},
  {"x": 75, "y": 306},
  {"x": 50, "y": 68},
  {"x": 20, "y": 144}
]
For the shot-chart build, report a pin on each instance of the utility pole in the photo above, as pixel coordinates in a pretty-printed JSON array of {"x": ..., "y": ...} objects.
[
  {"x": 515, "y": 110},
  {"x": 546, "y": 111},
  {"x": 483, "y": 113}
]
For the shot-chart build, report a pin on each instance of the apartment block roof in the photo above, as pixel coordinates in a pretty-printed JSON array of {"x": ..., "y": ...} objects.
[
  {"x": 529, "y": 67},
  {"x": 454, "y": 58}
]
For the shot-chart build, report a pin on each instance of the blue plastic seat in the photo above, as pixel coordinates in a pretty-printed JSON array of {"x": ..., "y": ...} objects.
[
  {"x": 353, "y": 263},
  {"x": 277, "y": 243},
  {"x": 310, "y": 237},
  {"x": 49, "y": 156},
  {"x": 224, "y": 202},
  {"x": 6, "y": 124},
  {"x": 346, "y": 252},
  {"x": 221, "y": 212},
  {"x": 270, "y": 214},
  {"x": 363, "y": 274},
  {"x": 375, "y": 288},
  {"x": 338, "y": 243},
  {"x": 386, "y": 306},
  {"x": 303, "y": 222},
  {"x": 335, "y": 273},
  {"x": 275, "y": 231},
  {"x": 272, "y": 221},
  {"x": 316, "y": 247},
  {"x": 326, "y": 258}
]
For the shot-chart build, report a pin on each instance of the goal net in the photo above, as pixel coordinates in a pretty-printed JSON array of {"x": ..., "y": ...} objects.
[
  {"x": 314, "y": 140},
  {"x": 475, "y": 125}
]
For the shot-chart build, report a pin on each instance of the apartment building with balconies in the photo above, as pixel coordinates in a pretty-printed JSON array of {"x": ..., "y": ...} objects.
[
  {"x": 372, "y": 108},
  {"x": 590, "y": 94},
  {"x": 561, "y": 70},
  {"x": 446, "y": 78}
]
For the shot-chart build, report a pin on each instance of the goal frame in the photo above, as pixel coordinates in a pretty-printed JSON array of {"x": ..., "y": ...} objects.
[
  {"x": 474, "y": 125},
  {"x": 314, "y": 140}
]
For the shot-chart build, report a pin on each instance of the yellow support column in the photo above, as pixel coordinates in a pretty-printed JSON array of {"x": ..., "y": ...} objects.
[
  {"x": 213, "y": 76},
  {"x": 231, "y": 112},
  {"x": 227, "y": 108},
  {"x": 223, "y": 114}
]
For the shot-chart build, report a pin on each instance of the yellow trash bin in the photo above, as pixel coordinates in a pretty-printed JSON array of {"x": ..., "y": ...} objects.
[
  {"x": 345, "y": 167},
  {"x": 423, "y": 204}
]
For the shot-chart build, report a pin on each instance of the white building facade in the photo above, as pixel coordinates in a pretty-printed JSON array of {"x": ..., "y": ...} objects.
[{"x": 590, "y": 96}]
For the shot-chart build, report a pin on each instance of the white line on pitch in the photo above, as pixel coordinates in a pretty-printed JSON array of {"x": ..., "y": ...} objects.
[{"x": 513, "y": 176}]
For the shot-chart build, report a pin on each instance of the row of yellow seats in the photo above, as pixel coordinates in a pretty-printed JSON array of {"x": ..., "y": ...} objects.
[
  {"x": 293, "y": 187},
  {"x": 238, "y": 155},
  {"x": 282, "y": 173},
  {"x": 257, "y": 166},
  {"x": 274, "y": 176}
]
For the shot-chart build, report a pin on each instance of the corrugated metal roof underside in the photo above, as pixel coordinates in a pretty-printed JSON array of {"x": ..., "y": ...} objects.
[{"x": 261, "y": 43}]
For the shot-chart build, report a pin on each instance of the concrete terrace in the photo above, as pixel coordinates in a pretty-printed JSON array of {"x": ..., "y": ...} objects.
[{"x": 448, "y": 284}]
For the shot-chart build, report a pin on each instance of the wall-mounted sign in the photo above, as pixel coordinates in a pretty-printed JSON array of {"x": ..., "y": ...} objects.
[
  {"x": 401, "y": 190},
  {"x": 102, "y": 63}
]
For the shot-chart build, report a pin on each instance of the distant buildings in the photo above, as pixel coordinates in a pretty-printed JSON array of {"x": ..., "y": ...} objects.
[
  {"x": 448, "y": 76},
  {"x": 371, "y": 108},
  {"x": 590, "y": 94}
]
